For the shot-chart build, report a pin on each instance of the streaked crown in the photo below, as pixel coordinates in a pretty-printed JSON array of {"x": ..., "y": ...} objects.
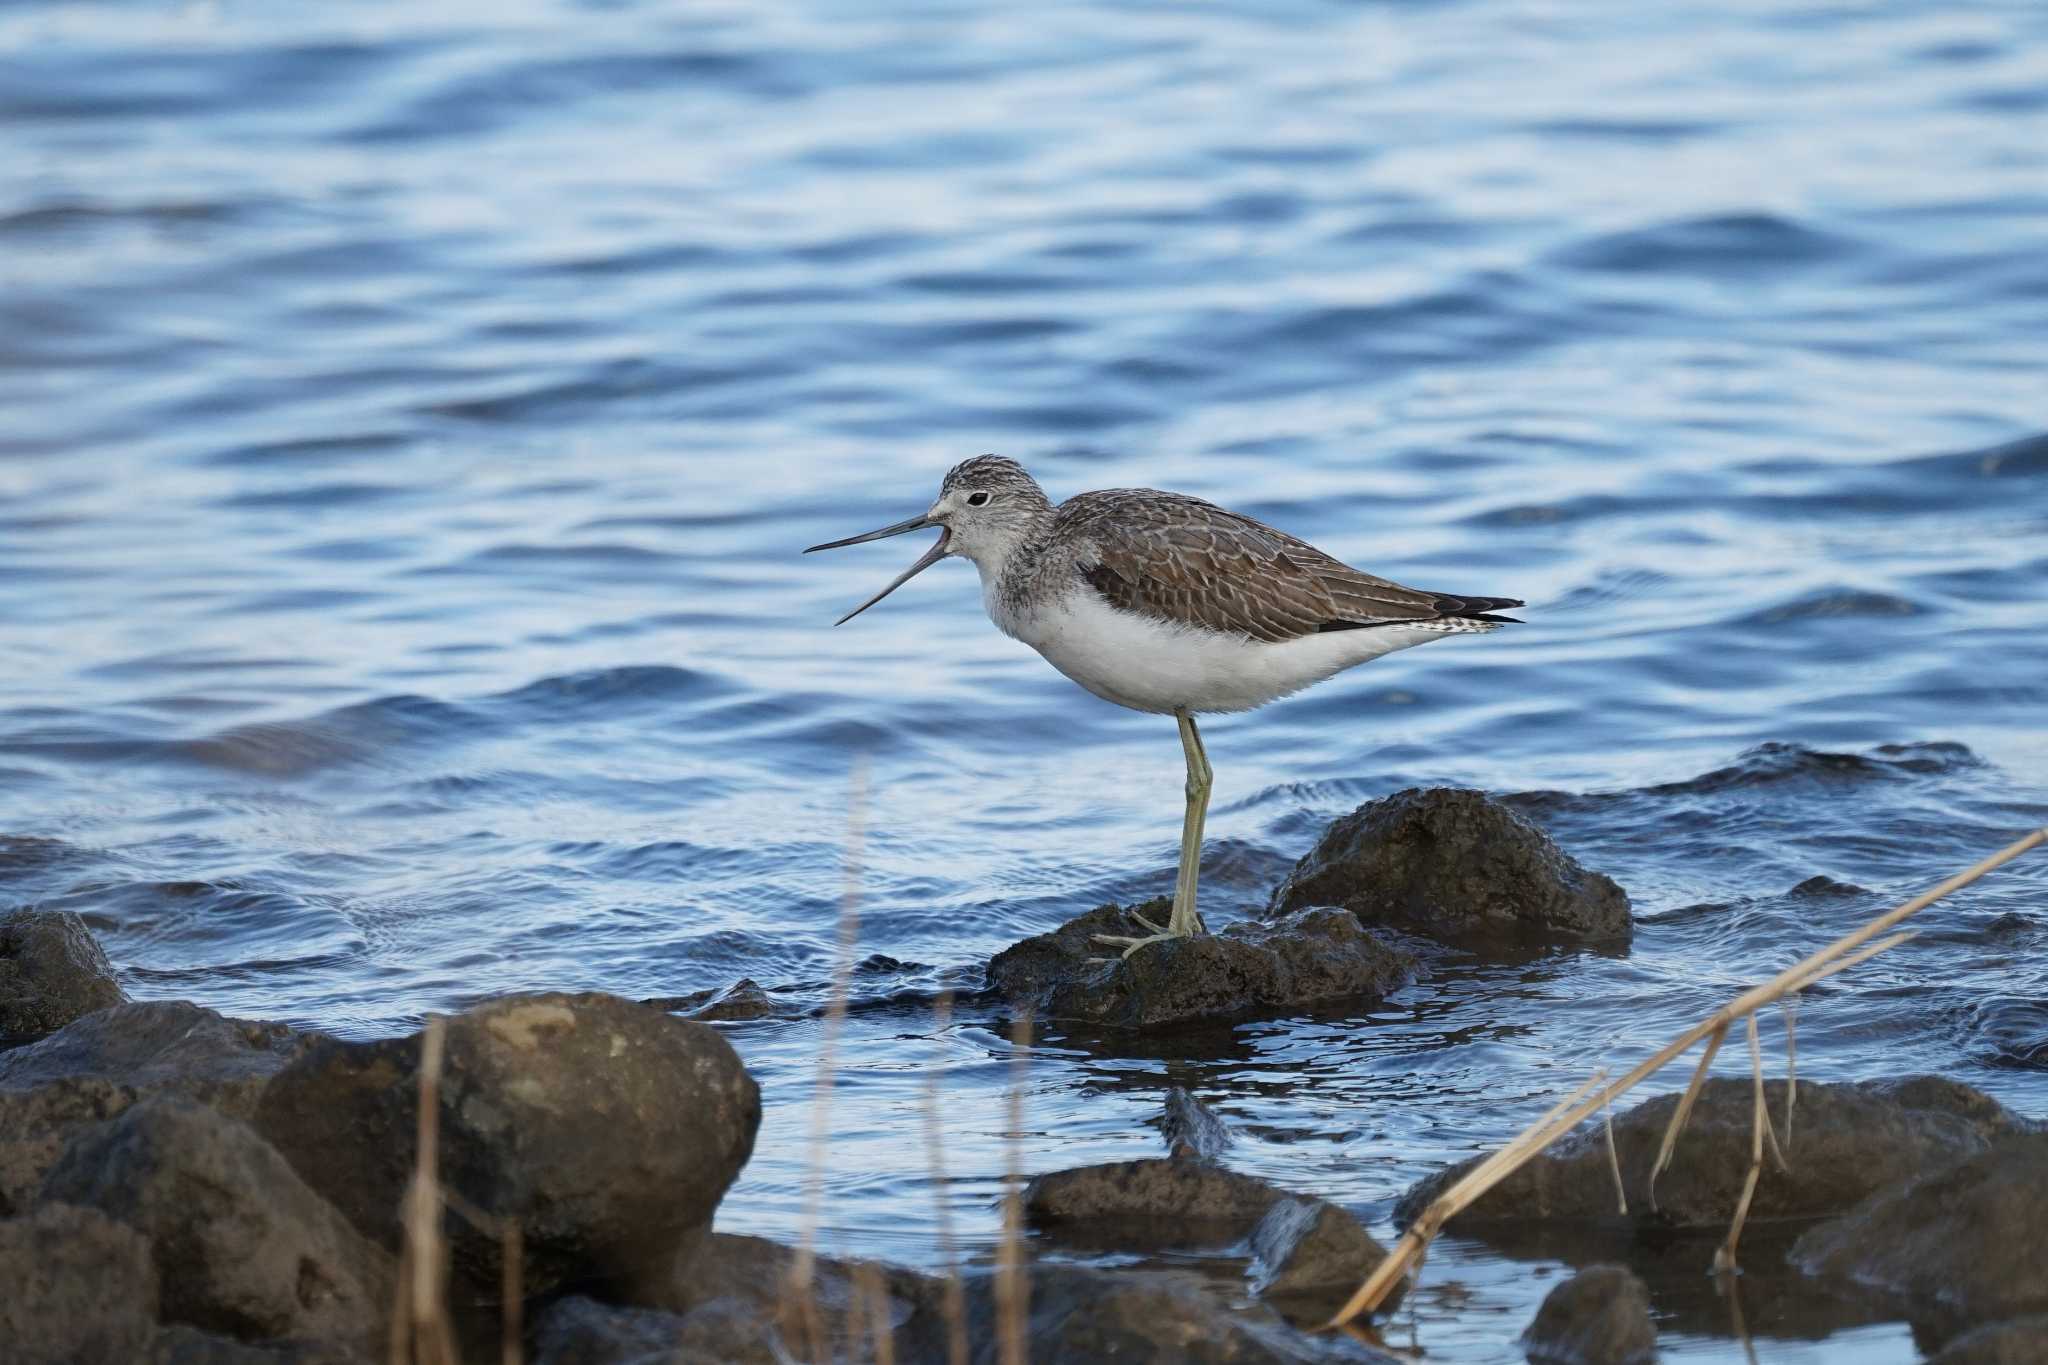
[{"x": 992, "y": 472}]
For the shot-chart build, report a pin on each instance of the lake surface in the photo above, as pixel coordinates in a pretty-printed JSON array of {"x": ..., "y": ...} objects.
[{"x": 413, "y": 415}]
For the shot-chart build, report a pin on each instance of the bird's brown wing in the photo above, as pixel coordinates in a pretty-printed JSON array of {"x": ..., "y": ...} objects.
[{"x": 1186, "y": 561}]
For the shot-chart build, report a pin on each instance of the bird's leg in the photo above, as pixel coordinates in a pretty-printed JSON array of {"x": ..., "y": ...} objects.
[{"x": 1184, "y": 920}]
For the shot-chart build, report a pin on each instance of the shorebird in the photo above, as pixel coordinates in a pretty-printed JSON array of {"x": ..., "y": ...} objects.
[{"x": 1168, "y": 604}]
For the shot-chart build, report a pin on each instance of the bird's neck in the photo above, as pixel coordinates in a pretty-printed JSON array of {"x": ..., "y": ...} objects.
[{"x": 1010, "y": 566}]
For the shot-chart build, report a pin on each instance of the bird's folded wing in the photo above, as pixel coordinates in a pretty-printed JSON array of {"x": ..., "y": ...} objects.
[{"x": 1188, "y": 562}]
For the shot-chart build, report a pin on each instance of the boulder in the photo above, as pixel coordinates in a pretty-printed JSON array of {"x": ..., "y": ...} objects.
[
  {"x": 1308, "y": 1255},
  {"x": 1962, "y": 1245},
  {"x": 79, "y": 1287},
  {"x": 608, "y": 1131},
  {"x": 181, "y": 1344},
  {"x": 1600, "y": 1316},
  {"x": 1456, "y": 865},
  {"x": 241, "y": 1245},
  {"x": 2017, "y": 1341},
  {"x": 1848, "y": 1139},
  {"x": 93, "y": 1069},
  {"x": 52, "y": 971},
  {"x": 1313, "y": 956}
]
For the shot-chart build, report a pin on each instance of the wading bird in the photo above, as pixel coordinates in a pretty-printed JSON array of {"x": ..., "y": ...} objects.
[{"x": 1169, "y": 604}]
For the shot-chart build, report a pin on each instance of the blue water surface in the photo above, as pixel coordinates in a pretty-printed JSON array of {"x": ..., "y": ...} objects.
[{"x": 413, "y": 414}]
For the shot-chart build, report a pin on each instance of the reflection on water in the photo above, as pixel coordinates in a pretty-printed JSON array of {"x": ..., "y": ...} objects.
[{"x": 414, "y": 414}]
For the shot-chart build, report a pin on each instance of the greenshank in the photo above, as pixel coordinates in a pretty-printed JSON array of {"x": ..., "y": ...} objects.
[{"x": 1169, "y": 604}]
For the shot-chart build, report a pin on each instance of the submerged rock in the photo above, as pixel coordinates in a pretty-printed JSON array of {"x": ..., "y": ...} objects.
[
  {"x": 1847, "y": 1140},
  {"x": 185, "y": 1345},
  {"x": 2018, "y": 1341},
  {"x": 606, "y": 1129},
  {"x": 1600, "y": 1316},
  {"x": 79, "y": 1287},
  {"x": 743, "y": 999},
  {"x": 1454, "y": 864},
  {"x": 1963, "y": 1245},
  {"x": 52, "y": 971},
  {"x": 1316, "y": 955},
  {"x": 241, "y": 1244},
  {"x": 1308, "y": 1254},
  {"x": 1192, "y": 1129},
  {"x": 97, "y": 1067}
]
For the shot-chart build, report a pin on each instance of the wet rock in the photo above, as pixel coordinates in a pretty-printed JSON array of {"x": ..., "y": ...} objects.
[
  {"x": 1454, "y": 864},
  {"x": 2019, "y": 1341},
  {"x": 1308, "y": 1256},
  {"x": 606, "y": 1129},
  {"x": 743, "y": 999},
  {"x": 1078, "y": 1313},
  {"x": 52, "y": 971},
  {"x": 1315, "y": 955},
  {"x": 581, "y": 1331},
  {"x": 1192, "y": 1129},
  {"x": 1962, "y": 1245},
  {"x": 77, "y": 1287},
  {"x": 1847, "y": 1140},
  {"x": 1307, "y": 1252},
  {"x": 95, "y": 1068},
  {"x": 181, "y": 1344},
  {"x": 241, "y": 1245},
  {"x": 159, "y": 1046},
  {"x": 1600, "y": 1316}
]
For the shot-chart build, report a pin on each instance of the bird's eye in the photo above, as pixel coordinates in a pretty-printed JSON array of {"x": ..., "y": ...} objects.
[{"x": 977, "y": 499}]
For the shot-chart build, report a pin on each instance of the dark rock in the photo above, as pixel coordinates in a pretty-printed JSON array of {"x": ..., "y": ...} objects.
[
  {"x": 1600, "y": 1316},
  {"x": 79, "y": 1287},
  {"x": 181, "y": 1344},
  {"x": 1847, "y": 1140},
  {"x": 1308, "y": 1256},
  {"x": 241, "y": 1245},
  {"x": 159, "y": 1046},
  {"x": 52, "y": 971},
  {"x": 606, "y": 1129},
  {"x": 582, "y": 1331},
  {"x": 743, "y": 999},
  {"x": 1454, "y": 864},
  {"x": 1962, "y": 1245},
  {"x": 1191, "y": 1128},
  {"x": 2019, "y": 1341},
  {"x": 1316, "y": 955},
  {"x": 1076, "y": 1313},
  {"x": 1306, "y": 1251},
  {"x": 93, "y": 1069}
]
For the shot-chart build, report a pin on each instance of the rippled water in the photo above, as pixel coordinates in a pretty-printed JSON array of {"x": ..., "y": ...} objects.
[{"x": 413, "y": 413}]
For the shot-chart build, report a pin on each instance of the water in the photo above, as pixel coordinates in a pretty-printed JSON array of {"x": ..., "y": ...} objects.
[{"x": 413, "y": 414}]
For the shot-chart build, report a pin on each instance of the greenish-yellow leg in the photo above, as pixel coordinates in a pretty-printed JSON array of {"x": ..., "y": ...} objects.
[{"x": 1185, "y": 919}]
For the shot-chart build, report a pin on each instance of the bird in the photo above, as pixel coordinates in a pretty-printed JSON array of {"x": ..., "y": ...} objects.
[{"x": 1168, "y": 604}]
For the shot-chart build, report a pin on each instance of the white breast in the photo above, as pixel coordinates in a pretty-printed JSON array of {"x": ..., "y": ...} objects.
[{"x": 1150, "y": 665}]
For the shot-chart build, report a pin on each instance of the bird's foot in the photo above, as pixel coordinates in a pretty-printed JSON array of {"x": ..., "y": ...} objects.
[{"x": 1158, "y": 934}]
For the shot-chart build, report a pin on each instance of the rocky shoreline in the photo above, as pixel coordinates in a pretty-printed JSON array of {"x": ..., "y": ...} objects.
[{"x": 180, "y": 1186}]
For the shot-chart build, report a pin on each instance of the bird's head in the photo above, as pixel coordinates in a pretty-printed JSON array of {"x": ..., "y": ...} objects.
[{"x": 985, "y": 509}]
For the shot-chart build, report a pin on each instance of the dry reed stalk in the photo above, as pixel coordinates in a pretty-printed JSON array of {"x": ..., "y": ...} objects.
[
  {"x": 1614, "y": 1160},
  {"x": 1684, "y": 1110},
  {"x": 800, "y": 1316},
  {"x": 1013, "y": 1288},
  {"x": 511, "y": 1289},
  {"x": 954, "y": 1303},
  {"x": 1790, "y": 1004},
  {"x": 1763, "y": 1112},
  {"x": 420, "y": 1329},
  {"x": 874, "y": 1294},
  {"x": 1843, "y": 952}
]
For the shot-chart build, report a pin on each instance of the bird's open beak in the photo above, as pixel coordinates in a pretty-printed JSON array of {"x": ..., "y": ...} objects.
[{"x": 929, "y": 558}]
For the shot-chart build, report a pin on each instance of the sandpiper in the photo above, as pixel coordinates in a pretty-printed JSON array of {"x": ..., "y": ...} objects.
[{"x": 1169, "y": 604}]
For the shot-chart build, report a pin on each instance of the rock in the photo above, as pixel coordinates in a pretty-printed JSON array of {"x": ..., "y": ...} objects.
[
  {"x": 1316, "y": 955},
  {"x": 743, "y": 999},
  {"x": 241, "y": 1245},
  {"x": 581, "y": 1331},
  {"x": 1847, "y": 1140},
  {"x": 1600, "y": 1316},
  {"x": 79, "y": 1287},
  {"x": 180, "y": 1344},
  {"x": 1962, "y": 1245},
  {"x": 52, "y": 971},
  {"x": 607, "y": 1130},
  {"x": 2019, "y": 1341},
  {"x": 1076, "y": 1313},
  {"x": 1454, "y": 864},
  {"x": 1308, "y": 1253},
  {"x": 159, "y": 1046},
  {"x": 95, "y": 1068},
  {"x": 1308, "y": 1256},
  {"x": 1192, "y": 1129}
]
